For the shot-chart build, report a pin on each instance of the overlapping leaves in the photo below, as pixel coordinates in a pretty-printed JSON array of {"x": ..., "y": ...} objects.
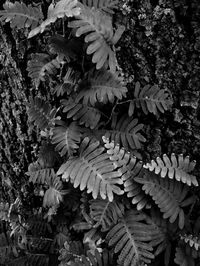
[
  {"x": 150, "y": 99},
  {"x": 169, "y": 195},
  {"x": 174, "y": 168},
  {"x": 20, "y": 16},
  {"x": 93, "y": 170}
]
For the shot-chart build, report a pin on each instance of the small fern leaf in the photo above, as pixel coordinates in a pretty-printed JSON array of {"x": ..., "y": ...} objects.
[
  {"x": 92, "y": 170},
  {"x": 66, "y": 138},
  {"x": 68, "y": 8},
  {"x": 150, "y": 99},
  {"x": 126, "y": 133},
  {"x": 131, "y": 237},
  {"x": 41, "y": 113},
  {"x": 101, "y": 86},
  {"x": 192, "y": 241},
  {"x": 130, "y": 168},
  {"x": 182, "y": 259},
  {"x": 21, "y": 16},
  {"x": 39, "y": 174},
  {"x": 174, "y": 168},
  {"x": 104, "y": 5},
  {"x": 83, "y": 113},
  {"x": 98, "y": 31},
  {"x": 168, "y": 194},
  {"x": 105, "y": 213},
  {"x": 40, "y": 65},
  {"x": 53, "y": 195}
]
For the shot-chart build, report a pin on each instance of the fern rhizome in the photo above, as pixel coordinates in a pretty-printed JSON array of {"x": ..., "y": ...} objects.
[{"x": 100, "y": 200}]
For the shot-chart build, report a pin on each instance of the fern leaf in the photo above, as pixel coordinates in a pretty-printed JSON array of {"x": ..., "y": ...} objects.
[
  {"x": 53, "y": 195},
  {"x": 68, "y": 8},
  {"x": 85, "y": 114},
  {"x": 21, "y": 16},
  {"x": 39, "y": 65},
  {"x": 101, "y": 86},
  {"x": 174, "y": 168},
  {"x": 130, "y": 168},
  {"x": 168, "y": 194},
  {"x": 182, "y": 259},
  {"x": 105, "y": 213},
  {"x": 67, "y": 138},
  {"x": 150, "y": 99},
  {"x": 98, "y": 31},
  {"x": 192, "y": 241},
  {"x": 41, "y": 113},
  {"x": 104, "y": 5},
  {"x": 39, "y": 174},
  {"x": 131, "y": 237},
  {"x": 92, "y": 170},
  {"x": 126, "y": 133}
]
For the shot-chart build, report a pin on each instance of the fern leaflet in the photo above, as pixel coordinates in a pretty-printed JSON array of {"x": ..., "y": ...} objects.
[
  {"x": 41, "y": 113},
  {"x": 105, "y": 213},
  {"x": 39, "y": 65},
  {"x": 178, "y": 169},
  {"x": 66, "y": 137},
  {"x": 20, "y": 16},
  {"x": 131, "y": 237},
  {"x": 97, "y": 26},
  {"x": 92, "y": 170},
  {"x": 151, "y": 99},
  {"x": 40, "y": 174},
  {"x": 129, "y": 167},
  {"x": 53, "y": 195},
  {"x": 169, "y": 195},
  {"x": 68, "y": 8},
  {"x": 104, "y": 5},
  {"x": 101, "y": 86},
  {"x": 125, "y": 132},
  {"x": 83, "y": 113}
]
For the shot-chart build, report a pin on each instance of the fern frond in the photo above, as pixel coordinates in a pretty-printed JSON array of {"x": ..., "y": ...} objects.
[
  {"x": 130, "y": 168},
  {"x": 39, "y": 65},
  {"x": 98, "y": 31},
  {"x": 41, "y": 113},
  {"x": 37, "y": 226},
  {"x": 174, "y": 168},
  {"x": 68, "y": 8},
  {"x": 104, "y": 5},
  {"x": 21, "y": 16},
  {"x": 101, "y": 86},
  {"x": 85, "y": 114},
  {"x": 182, "y": 259},
  {"x": 105, "y": 213},
  {"x": 53, "y": 195},
  {"x": 150, "y": 99},
  {"x": 39, "y": 174},
  {"x": 131, "y": 237},
  {"x": 66, "y": 138},
  {"x": 126, "y": 133},
  {"x": 192, "y": 241},
  {"x": 69, "y": 84},
  {"x": 92, "y": 170},
  {"x": 169, "y": 195}
]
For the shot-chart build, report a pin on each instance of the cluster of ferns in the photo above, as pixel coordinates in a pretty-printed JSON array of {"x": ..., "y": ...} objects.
[{"x": 100, "y": 201}]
